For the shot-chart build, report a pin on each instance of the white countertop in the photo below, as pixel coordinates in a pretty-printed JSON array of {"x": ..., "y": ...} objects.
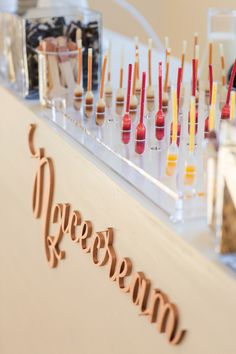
[{"x": 55, "y": 311}]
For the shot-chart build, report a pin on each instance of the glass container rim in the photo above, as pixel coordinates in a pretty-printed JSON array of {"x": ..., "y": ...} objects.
[
  {"x": 224, "y": 10},
  {"x": 69, "y": 52},
  {"x": 78, "y": 10}
]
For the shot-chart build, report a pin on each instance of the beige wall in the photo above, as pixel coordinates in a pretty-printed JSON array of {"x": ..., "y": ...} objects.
[
  {"x": 178, "y": 19},
  {"x": 75, "y": 308}
]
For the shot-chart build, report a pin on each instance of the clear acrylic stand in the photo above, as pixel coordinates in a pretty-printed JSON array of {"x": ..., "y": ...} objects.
[{"x": 145, "y": 172}]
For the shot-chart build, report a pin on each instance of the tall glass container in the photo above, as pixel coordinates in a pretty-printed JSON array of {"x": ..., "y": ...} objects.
[
  {"x": 222, "y": 30},
  {"x": 22, "y": 35}
]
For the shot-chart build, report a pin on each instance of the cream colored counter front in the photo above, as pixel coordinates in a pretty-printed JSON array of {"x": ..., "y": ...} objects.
[{"x": 75, "y": 308}]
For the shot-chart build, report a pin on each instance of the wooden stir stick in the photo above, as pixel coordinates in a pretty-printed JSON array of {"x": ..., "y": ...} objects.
[
  {"x": 195, "y": 43},
  {"x": 138, "y": 83},
  {"x": 140, "y": 135},
  {"x": 160, "y": 118},
  {"x": 133, "y": 100},
  {"x": 206, "y": 128},
  {"x": 210, "y": 57},
  {"x": 222, "y": 62},
  {"x": 78, "y": 92},
  {"x": 165, "y": 98},
  {"x": 212, "y": 108},
  {"x": 100, "y": 107},
  {"x": 183, "y": 55},
  {"x": 190, "y": 166},
  {"x": 167, "y": 46},
  {"x": 108, "y": 88},
  {"x": 150, "y": 89},
  {"x": 197, "y": 49},
  {"x": 120, "y": 98},
  {"x": 172, "y": 154},
  {"x": 232, "y": 105},
  {"x": 179, "y": 80},
  {"x": 223, "y": 89},
  {"x": 127, "y": 121},
  {"x": 89, "y": 94}
]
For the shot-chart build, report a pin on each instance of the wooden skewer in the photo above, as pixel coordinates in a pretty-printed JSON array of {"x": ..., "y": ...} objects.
[
  {"x": 195, "y": 43},
  {"x": 129, "y": 88},
  {"x": 167, "y": 70},
  {"x": 89, "y": 93},
  {"x": 150, "y": 62},
  {"x": 136, "y": 43},
  {"x": 90, "y": 69},
  {"x": 140, "y": 129},
  {"x": 108, "y": 89},
  {"x": 222, "y": 61},
  {"x": 232, "y": 105},
  {"x": 78, "y": 92},
  {"x": 175, "y": 117},
  {"x": 190, "y": 167},
  {"x": 179, "y": 77},
  {"x": 206, "y": 128},
  {"x": 210, "y": 44},
  {"x": 78, "y": 38},
  {"x": 160, "y": 118},
  {"x": 100, "y": 108},
  {"x": 192, "y": 125},
  {"x": 138, "y": 83},
  {"x": 79, "y": 61},
  {"x": 160, "y": 85},
  {"x": 133, "y": 99},
  {"x": 183, "y": 57},
  {"x": 210, "y": 52},
  {"x": 194, "y": 90},
  {"x": 150, "y": 90},
  {"x": 212, "y": 107},
  {"x": 122, "y": 68},
  {"x": 194, "y": 77},
  {"x": 210, "y": 82},
  {"x": 197, "y": 49},
  {"x": 214, "y": 94},
  {"x": 165, "y": 88},
  {"x": 120, "y": 98},
  {"x": 135, "y": 74},
  {"x": 109, "y": 62},
  {"x": 136, "y": 39},
  {"x": 167, "y": 46},
  {"x": 103, "y": 75},
  {"x": 197, "y": 59},
  {"x": 142, "y": 98},
  {"x": 172, "y": 154},
  {"x": 126, "y": 120}
]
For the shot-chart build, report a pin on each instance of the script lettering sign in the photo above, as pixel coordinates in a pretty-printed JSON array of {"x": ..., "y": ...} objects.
[{"x": 152, "y": 303}]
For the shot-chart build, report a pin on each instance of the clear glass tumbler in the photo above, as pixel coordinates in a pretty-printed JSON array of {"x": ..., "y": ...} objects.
[{"x": 57, "y": 76}]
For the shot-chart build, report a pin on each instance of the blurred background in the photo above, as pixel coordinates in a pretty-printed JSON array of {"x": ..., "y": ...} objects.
[{"x": 177, "y": 19}]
